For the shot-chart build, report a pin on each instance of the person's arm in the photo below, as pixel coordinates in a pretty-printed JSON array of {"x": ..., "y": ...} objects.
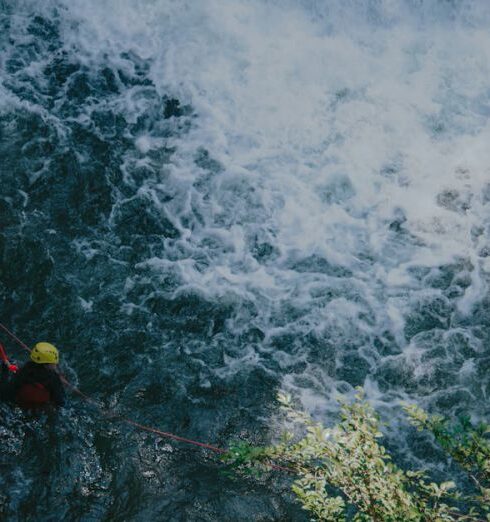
[
  {"x": 10, "y": 382},
  {"x": 4, "y": 371},
  {"x": 18, "y": 379}
]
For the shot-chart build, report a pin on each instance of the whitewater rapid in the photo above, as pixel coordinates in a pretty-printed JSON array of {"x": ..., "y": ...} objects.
[
  {"x": 253, "y": 195},
  {"x": 347, "y": 140}
]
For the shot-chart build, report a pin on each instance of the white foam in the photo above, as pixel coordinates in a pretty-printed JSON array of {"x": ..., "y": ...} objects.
[{"x": 328, "y": 121}]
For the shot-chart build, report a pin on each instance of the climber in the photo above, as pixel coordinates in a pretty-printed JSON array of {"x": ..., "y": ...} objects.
[{"x": 37, "y": 384}]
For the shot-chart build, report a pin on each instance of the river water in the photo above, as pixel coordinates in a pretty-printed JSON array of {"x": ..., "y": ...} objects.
[{"x": 205, "y": 202}]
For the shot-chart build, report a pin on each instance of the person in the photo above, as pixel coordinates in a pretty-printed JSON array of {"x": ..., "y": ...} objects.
[{"x": 37, "y": 384}]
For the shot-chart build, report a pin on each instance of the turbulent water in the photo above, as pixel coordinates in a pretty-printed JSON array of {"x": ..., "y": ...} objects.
[{"x": 205, "y": 202}]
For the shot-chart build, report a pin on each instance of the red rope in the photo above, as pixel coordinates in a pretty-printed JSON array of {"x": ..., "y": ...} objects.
[
  {"x": 3, "y": 355},
  {"x": 172, "y": 436},
  {"x": 14, "y": 337},
  {"x": 126, "y": 419},
  {"x": 10, "y": 367}
]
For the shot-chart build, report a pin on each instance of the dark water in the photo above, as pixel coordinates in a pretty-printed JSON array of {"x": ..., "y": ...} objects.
[
  {"x": 186, "y": 279},
  {"x": 74, "y": 229}
]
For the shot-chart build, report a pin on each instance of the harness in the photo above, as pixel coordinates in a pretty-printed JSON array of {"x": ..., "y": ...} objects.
[{"x": 32, "y": 396}]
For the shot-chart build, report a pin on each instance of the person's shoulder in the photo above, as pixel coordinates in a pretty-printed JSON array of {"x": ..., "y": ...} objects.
[
  {"x": 53, "y": 374},
  {"x": 29, "y": 366},
  {"x": 33, "y": 369}
]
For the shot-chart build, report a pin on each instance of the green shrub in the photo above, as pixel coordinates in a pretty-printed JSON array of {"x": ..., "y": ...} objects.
[{"x": 345, "y": 469}]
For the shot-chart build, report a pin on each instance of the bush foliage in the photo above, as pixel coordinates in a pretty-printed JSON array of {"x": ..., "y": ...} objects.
[{"x": 345, "y": 473}]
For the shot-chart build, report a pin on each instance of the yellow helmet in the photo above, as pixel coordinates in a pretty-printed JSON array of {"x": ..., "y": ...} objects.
[{"x": 45, "y": 353}]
